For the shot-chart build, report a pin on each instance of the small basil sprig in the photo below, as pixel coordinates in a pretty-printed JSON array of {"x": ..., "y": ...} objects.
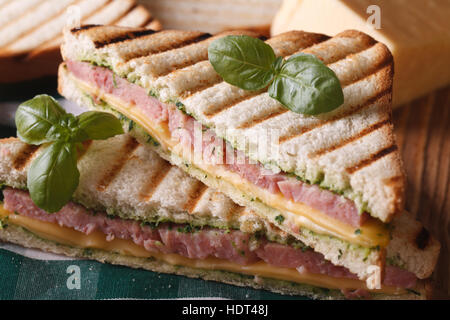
[
  {"x": 302, "y": 83},
  {"x": 53, "y": 176}
]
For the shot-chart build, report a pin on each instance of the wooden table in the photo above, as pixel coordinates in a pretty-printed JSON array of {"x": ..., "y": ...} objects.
[{"x": 423, "y": 135}]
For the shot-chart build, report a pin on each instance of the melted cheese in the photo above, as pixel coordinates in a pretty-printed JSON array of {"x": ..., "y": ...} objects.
[
  {"x": 373, "y": 233},
  {"x": 97, "y": 240}
]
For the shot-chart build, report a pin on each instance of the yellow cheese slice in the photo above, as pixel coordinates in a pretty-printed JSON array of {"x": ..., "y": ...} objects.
[
  {"x": 373, "y": 233},
  {"x": 417, "y": 33},
  {"x": 97, "y": 240}
]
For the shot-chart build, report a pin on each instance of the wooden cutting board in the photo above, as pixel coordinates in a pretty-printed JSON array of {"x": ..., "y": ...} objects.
[{"x": 423, "y": 135}]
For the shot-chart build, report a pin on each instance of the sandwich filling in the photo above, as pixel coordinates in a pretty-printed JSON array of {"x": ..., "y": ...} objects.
[
  {"x": 317, "y": 209},
  {"x": 230, "y": 250}
]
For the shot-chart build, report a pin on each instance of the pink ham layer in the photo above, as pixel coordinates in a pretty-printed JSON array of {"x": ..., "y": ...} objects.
[
  {"x": 229, "y": 245},
  {"x": 182, "y": 126}
]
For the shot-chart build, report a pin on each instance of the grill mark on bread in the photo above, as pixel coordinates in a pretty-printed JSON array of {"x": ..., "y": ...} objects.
[
  {"x": 154, "y": 181},
  {"x": 167, "y": 47},
  {"x": 129, "y": 35},
  {"x": 356, "y": 34},
  {"x": 300, "y": 40},
  {"x": 24, "y": 156},
  {"x": 114, "y": 170},
  {"x": 217, "y": 108},
  {"x": 202, "y": 86},
  {"x": 338, "y": 58},
  {"x": 84, "y": 27},
  {"x": 85, "y": 147},
  {"x": 422, "y": 239},
  {"x": 263, "y": 117},
  {"x": 346, "y": 141},
  {"x": 178, "y": 66},
  {"x": 298, "y": 132},
  {"x": 372, "y": 158},
  {"x": 366, "y": 41},
  {"x": 302, "y": 130},
  {"x": 195, "y": 197},
  {"x": 382, "y": 65}
]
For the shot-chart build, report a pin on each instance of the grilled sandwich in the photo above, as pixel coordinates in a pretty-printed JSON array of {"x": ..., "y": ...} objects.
[
  {"x": 133, "y": 208},
  {"x": 334, "y": 182},
  {"x": 31, "y": 31}
]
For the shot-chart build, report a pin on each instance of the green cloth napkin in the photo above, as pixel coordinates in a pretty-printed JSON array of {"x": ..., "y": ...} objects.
[{"x": 47, "y": 277}]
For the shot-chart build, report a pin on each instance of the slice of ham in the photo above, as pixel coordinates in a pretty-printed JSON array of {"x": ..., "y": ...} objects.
[
  {"x": 214, "y": 150},
  {"x": 231, "y": 245},
  {"x": 337, "y": 207},
  {"x": 119, "y": 87},
  {"x": 288, "y": 257}
]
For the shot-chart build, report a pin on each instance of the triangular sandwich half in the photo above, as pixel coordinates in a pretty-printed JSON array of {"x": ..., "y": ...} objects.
[
  {"x": 332, "y": 181},
  {"x": 133, "y": 208}
]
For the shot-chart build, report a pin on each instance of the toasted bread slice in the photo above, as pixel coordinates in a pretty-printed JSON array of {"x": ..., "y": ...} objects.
[
  {"x": 228, "y": 15},
  {"x": 137, "y": 184},
  {"x": 351, "y": 150},
  {"x": 31, "y": 31}
]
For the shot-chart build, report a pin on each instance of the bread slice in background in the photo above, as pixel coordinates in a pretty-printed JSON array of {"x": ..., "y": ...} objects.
[
  {"x": 214, "y": 16},
  {"x": 31, "y": 31}
]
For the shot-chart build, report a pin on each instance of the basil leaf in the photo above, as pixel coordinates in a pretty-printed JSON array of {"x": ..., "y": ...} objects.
[
  {"x": 37, "y": 120},
  {"x": 97, "y": 126},
  {"x": 54, "y": 176},
  {"x": 243, "y": 61},
  {"x": 306, "y": 85}
]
